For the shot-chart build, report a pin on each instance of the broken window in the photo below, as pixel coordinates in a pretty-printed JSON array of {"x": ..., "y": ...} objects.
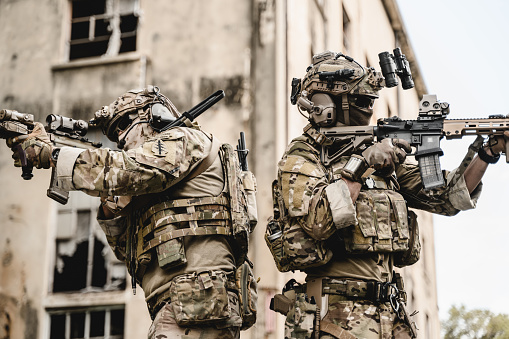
[
  {"x": 84, "y": 261},
  {"x": 89, "y": 323},
  {"x": 103, "y": 27}
]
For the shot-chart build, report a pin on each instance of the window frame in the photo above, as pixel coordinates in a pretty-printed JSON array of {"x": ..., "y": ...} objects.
[{"x": 112, "y": 11}]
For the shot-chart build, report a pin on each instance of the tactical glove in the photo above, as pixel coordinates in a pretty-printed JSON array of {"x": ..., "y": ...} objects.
[
  {"x": 37, "y": 147},
  {"x": 385, "y": 156},
  {"x": 497, "y": 143}
]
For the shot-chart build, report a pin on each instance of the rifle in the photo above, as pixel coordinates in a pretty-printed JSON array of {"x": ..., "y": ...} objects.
[
  {"x": 187, "y": 117},
  {"x": 424, "y": 134},
  {"x": 61, "y": 130}
]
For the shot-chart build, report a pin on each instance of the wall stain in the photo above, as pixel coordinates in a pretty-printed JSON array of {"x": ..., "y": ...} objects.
[{"x": 7, "y": 255}]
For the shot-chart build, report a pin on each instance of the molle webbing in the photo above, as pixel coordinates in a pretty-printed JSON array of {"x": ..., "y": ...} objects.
[{"x": 183, "y": 217}]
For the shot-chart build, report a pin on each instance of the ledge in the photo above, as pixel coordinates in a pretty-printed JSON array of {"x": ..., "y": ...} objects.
[
  {"x": 98, "y": 61},
  {"x": 90, "y": 299}
]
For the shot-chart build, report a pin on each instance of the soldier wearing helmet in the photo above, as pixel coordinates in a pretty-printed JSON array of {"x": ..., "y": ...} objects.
[
  {"x": 174, "y": 208},
  {"x": 346, "y": 224}
]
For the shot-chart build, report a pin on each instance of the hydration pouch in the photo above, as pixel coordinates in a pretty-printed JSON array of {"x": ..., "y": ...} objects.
[
  {"x": 200, "y": 298},
  {"x": 248, "y": 295},
  {"x": 299, "y": 321},
  {"x": 412, "y": 255}
]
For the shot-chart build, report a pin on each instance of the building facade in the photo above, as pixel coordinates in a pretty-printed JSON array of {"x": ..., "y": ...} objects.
[{"x": 58, "y": 278}]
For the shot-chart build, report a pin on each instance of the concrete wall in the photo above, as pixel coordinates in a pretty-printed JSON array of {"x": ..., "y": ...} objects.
[{"x": 250, "y": 49}]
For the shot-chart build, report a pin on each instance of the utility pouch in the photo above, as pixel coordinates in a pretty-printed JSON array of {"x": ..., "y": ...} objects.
[
  {"x": 382, "y": 223},
  {"x": 171, "y": 253},
  {"x": 200, "y": 298},
  {"x": 241, "y": 223},
  {"x": 274, "y": 232},
  {"x": 291, "y": 247},
  {"x": 299, "y": 321},
  {"x": 413, "y": 253},
  {"x": 249, "y": 184},
  {"x": 248, "y": 295}
]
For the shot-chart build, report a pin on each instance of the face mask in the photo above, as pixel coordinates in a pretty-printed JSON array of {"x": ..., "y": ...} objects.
[
  {"x": 360, "y": 117},
  {"x": 135, "y": 135},
  {"x": 360, "y": 109}
]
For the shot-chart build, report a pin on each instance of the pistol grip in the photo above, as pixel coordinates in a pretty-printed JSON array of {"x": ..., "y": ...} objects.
[{"x": 26, "y": 169}]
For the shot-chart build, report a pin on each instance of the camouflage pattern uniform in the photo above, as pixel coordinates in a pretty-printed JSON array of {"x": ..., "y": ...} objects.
[
  {"x": 146, "y": 171},
  {"x": 347, "y": 248},
  {"x": 324, "y": 210}
]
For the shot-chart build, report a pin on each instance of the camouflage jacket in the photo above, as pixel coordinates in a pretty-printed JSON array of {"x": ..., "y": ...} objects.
[
  {"x": 321, "y": 206},
  {"x": 163, "y": 161}
]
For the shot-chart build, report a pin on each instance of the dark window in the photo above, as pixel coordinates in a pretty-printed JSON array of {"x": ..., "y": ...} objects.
[
  {"x": 103, "y": 27},
  {"x": 84, "y": 261},
  {"x": 93, "y": 323}
]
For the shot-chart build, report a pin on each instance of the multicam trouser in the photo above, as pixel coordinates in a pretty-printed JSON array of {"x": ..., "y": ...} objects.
[
  {"x": 165, "y": 325},
  {"x": 353, "y": 310},
  {"x": 364, "y": 319}
]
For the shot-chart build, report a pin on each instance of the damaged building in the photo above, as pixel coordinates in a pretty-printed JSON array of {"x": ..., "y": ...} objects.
[{"x": 58, "y": 277}]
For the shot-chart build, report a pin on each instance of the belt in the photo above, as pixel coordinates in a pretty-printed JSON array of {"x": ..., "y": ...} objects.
[{"x": 369, "y": 290}]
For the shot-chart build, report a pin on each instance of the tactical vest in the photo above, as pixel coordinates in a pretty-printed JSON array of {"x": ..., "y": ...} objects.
[
  {"x": 160, "y": 229},
  {"x": 384, "y": 224}
]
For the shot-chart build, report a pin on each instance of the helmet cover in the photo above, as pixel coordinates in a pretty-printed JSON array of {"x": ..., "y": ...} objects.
[{"x": 119, "y": 115}]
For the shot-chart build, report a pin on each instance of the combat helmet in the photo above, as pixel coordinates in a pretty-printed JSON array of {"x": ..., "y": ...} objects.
[
  {"x": 336, "y": 80},
  {"x": 147, "y": 104}
]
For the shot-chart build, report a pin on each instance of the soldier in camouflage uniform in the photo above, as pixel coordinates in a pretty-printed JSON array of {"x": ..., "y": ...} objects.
[
  {"x": 346, "y": 225},
  {"x": 174, "y": 208}
]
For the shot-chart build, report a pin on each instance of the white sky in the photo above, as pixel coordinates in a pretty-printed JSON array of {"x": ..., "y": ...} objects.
[{"x": 462, "y": 47}]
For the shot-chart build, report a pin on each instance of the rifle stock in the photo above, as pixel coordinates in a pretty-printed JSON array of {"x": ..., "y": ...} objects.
[{"x": 424, "y": 134}]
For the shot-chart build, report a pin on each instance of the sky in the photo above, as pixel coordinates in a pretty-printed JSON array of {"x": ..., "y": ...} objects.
[{"x": 462, "y": 48}]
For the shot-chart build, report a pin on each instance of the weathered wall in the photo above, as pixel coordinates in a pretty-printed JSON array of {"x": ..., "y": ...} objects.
[{"x": 28, "y": 30}]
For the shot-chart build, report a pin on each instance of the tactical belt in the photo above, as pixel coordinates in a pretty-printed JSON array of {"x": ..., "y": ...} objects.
[
  {"x": 155, "y": 303},
  {"x": 371, "y": 290},
  {"x": 375, "y": 291}
]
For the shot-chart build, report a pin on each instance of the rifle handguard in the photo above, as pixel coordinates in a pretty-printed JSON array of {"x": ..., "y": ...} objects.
[{"x": 355, "y": 169}]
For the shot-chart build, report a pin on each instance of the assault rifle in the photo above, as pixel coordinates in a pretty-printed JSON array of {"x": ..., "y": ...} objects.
[
  {"x": 424, "y": 134},
  {"x": 61, "y": 130}
]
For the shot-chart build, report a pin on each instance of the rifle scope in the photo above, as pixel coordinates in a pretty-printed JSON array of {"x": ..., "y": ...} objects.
[{"x": 66, "y": 125}]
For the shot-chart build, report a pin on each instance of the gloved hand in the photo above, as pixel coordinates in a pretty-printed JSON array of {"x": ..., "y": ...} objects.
[
  {"x": 36, "y": 145},
  {"x": 386, "y": 156},
  {"x": 497, "y": 143}
]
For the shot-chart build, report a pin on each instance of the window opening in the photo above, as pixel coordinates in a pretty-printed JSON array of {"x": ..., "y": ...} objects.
[
  {"x": 103, "y": 27},
  {"x": 90, "y": 323},
  {"x": 84, "y": 261}
]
